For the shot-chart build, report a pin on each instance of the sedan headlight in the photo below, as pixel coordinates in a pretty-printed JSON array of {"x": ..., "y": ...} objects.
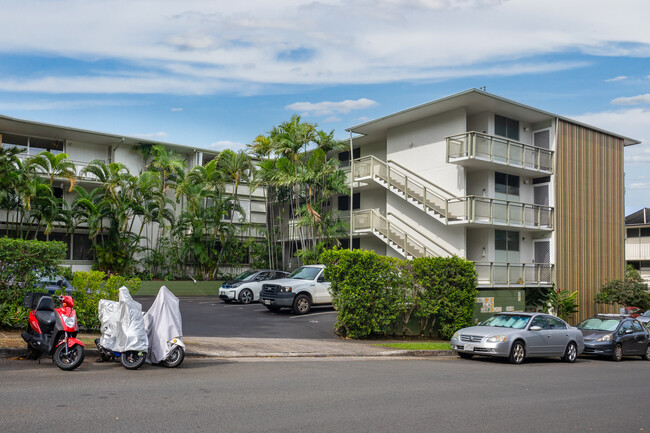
[
  {"x": 456, "y": 335},
  {"x": 607, "y": 337},
  {"x": 496, "y": 339}
]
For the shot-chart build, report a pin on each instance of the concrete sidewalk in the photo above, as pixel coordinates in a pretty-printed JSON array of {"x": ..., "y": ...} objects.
[{"x": 227, "y": 347}]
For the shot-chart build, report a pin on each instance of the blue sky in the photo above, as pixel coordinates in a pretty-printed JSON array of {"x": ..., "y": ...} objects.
[{"x": 215, "y": 74}]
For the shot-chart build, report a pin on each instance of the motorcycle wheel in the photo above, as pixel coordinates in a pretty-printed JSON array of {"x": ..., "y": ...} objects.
[
  {"x": 70, "y": 360},
  {"x": 175, "y": 357},
  {"x": 133, "y": 360}
]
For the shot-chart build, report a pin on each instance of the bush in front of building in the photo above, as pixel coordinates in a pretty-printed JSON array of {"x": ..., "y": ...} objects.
[
  {"x": 446, "y": 290},
  {"x": 22, "y": 264},
  {"x": 366, "y": 291},
  {"x": 90, "y": 287},
  {"x": 380, "y": 296}
]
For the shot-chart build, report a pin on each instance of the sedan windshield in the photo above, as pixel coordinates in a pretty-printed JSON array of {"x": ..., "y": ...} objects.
[
  {"x": 305, "y": 273},
  {"x": 596, "y": 324},
  {"x": 507, "y": 321},
  {"x": 246, "y": 275}
]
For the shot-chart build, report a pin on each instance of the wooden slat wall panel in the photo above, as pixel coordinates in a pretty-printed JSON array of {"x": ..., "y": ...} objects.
[{"x": 590, "y": 213}]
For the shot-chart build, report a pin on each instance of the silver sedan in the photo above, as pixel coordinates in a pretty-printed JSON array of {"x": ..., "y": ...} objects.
[{"x": 517, "y": 336}]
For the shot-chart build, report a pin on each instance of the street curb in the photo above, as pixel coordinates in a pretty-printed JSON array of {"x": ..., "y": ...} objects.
[{"x": 11, "y": 352}]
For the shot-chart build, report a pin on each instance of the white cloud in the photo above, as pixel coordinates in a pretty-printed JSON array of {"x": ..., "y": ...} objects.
[
  {"x": 152, "y": 135},
  {"x": 640, "y": 185},
  {"x": 619, "y": 78},
  {"x": 332, "y": 119},
  {"x": 203, "y": 46},
  {"x": 227, "y": 144},
  {"x": 176, "y": 109},
  {"x": 44, "y": 104},
  {"x": 327, "y": 107},
  {"x": 633, "y": 100}
]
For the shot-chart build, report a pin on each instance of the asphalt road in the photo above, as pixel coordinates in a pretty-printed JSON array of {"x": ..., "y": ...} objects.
[
  {"x": 208, "y": 316},
  {"x": 329, "y": 395}
]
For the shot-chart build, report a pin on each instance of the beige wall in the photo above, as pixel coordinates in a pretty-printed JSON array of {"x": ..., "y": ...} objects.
[{"x": 589, "y": 212}]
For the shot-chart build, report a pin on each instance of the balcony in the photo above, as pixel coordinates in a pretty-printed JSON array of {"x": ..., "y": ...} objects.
[
  {"x": 637, "y": 251},
  {"x": 514, "y": 274},
  {"x": 477, "y": 149}
]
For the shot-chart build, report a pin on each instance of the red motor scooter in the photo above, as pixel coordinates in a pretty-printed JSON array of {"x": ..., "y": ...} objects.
[{"x": 53, "y": 331}]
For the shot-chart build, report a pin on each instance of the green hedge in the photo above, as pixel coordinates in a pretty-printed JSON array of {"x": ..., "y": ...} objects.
[
  {"x": 90, "y": 287},
  {"x": 22, "y": 262},
  {"x": 380, "y": 296}
]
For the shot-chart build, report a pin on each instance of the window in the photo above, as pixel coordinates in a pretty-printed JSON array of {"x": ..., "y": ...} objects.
[
  {"x": 624, "y": 327},
  {"x": 344, "y": 202},
  {"x": 506, "y": 184},
  {"x": 505, "y": 127},
  {"x": 554, "y": 323},
  {"x": 505, "y": 240},
  {"x": 539, "y": 321},
  {"x": 637, "y": 327},
  {"x": 344, "y": 157},
  {"x": 345, "y": 243}
]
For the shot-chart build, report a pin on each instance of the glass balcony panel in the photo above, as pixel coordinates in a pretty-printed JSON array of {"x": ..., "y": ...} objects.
[
  {"x": 515, "y": 213},
  {"x": 483, "y": 146},
  {"x": 516, "y": 154}
]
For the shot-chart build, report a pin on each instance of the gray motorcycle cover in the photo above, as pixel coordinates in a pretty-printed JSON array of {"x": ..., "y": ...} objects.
[
  {"x": 122, "y": 324},
  {"x": 163, "y": 323}
]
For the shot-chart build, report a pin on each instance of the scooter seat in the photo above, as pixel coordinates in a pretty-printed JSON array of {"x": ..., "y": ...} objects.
[{"x": 45, "y": 314}]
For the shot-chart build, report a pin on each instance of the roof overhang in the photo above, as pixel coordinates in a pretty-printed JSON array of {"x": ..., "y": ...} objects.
[
  {"x": 474, "y": 101},
  {"x": 30, "y": 128}
]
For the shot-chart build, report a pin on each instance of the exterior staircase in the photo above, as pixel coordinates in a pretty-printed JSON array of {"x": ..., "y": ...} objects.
[
  {"x": 402, "y": 237},
  {"x": 446, "y": 207}
]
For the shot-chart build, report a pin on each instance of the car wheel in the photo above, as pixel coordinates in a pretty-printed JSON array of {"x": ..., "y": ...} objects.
[
  {"x": 465, "y": 355},
  {"x": 517, "y": 353},
  {"x": 246, "y": 296},
  {"x": 302, "y": 304},
  {"x": 618, "y": 353},
  {"x": 571, "y": 353},
  {"x": 646, "y": 355}
]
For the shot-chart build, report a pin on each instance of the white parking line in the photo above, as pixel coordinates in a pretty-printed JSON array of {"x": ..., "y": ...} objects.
[{"x": 312, "y": 314}]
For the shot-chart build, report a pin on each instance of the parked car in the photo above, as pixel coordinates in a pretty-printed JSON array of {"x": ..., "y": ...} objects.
[
  {"x": 645, "y": 318},
  {"x": 52, "y": 284},
  {"x": 246, "y": 287},
  {"x": 306, "y": 286},
  {"x": 518, "y": 336},
  {"x": 632, "y": 311},
  {"x": 615, "y": 336}
]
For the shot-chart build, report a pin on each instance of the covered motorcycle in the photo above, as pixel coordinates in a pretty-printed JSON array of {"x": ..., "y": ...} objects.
[
  {"x": 123, "y": 331},
  {"x": 164, "y": 328}
]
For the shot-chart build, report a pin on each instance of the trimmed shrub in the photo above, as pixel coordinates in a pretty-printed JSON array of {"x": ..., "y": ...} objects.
[
  {"x": 365, "y": 291},
  {"x": 22, "y": 263},
  {"x": 446, "y": 293},
  {"x": 376, "y": 295},
  {"x": 92, "y": 286}
]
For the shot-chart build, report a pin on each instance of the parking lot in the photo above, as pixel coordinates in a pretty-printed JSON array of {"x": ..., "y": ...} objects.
[{"x": 208, "y": 316}]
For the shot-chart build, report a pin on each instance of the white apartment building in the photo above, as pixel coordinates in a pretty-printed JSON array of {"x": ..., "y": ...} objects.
[
  {"x": 533, "y": 198},
  {"x": 84, "y": 146},
  {"x": 637, "y": 242}
]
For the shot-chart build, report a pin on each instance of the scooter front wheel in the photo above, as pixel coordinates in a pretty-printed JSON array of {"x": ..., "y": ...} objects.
[
  {"x": 133, "y": 360},
  {"x": 68, "y": 359},
  {"x": 175, "y": 357}
]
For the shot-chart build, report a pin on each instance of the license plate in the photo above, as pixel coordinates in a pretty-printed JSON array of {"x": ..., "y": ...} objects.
[
  {"x": 266, "y": 301},
  {"x": 469, "y": 347}
]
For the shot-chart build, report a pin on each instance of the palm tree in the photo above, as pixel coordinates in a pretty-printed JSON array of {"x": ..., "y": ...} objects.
[
  {"x": 55, "y": 165},
  {"x": 238, "y": 168}
]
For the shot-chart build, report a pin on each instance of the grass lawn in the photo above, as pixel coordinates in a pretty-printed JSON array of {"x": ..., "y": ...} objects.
[
  {"x": 181, "y": 288},
  {"x": 416, "y": 345}
]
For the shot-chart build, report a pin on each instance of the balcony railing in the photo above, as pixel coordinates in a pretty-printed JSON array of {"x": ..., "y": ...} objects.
[
  {"x": 500, "y": 150},
  {"x": 514, "y": 274},
  {"x": 446, "y": 207},
  {"x": 637, "y": 251}
]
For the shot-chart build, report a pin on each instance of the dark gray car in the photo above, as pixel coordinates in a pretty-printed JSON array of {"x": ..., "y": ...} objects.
[{"x": 517, "y": 336}]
